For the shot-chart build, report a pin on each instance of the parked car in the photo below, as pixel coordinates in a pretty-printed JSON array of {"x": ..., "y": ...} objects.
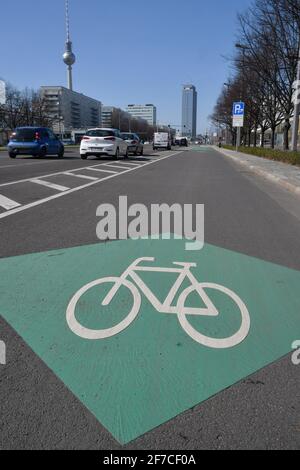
[
  {"x": 35, "y": 141},
  {"x": 162, "y": 140},
  {"x": 101, "y": 141},
  {"x": 135, "y": 144}
]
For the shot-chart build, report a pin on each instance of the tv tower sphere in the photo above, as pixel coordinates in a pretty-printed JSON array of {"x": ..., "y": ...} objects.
[{"x": 69, "y": 57}]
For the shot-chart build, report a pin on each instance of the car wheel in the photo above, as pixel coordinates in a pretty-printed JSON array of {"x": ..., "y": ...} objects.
[
  {"x": 61, "y": 153},
  {"x": 117, "y": 154},
  {"x": 83, "y": 156},
  {"x": 12, "y": 154},
  {"x": 42, "y": 152}
]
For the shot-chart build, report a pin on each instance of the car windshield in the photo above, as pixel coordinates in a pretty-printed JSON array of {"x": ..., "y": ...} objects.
[
  {"x": 100, "y": 133},
  {"x": 128, "y": 136},
  {"x": 24, "y": 135}
]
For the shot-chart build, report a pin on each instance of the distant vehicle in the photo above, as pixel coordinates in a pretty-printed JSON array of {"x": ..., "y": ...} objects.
[
  {"x": 162, "y": 140},
  {"x": 35, "y": 141},
  {"x": 182, "y": 141},
  {"x": 68, "y": 142},
  {"x": 135, "y": 144},
  {"x": 102, "y": 141}
]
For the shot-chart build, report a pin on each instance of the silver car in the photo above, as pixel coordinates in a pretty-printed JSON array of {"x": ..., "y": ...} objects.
[{"x": 134, "y": 143}]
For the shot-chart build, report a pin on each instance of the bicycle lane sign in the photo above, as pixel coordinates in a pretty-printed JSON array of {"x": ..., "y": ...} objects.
[{"x": 138, "y": 340}]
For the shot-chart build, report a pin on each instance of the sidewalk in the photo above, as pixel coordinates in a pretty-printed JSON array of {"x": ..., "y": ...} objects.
[{"x": 287, "y": 176}]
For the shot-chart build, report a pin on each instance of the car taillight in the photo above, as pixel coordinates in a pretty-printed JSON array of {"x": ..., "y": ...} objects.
[
  {"x": 85, "y": 138},
  {"x": 37, "y": 136},
  {"x": 110, "y": 138}
]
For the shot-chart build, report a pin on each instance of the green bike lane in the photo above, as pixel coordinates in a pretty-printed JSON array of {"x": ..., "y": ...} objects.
[{"x": 152, "y": 371}]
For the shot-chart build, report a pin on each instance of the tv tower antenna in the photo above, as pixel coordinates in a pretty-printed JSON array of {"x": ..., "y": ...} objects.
[{"x": 68, "y": 57}]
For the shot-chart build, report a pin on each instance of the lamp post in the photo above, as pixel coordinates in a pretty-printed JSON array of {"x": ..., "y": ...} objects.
[
  {"x": 295, "y": 126},
  {"x": 243, "y": 48},
  {"x": 227, "y": 86}
]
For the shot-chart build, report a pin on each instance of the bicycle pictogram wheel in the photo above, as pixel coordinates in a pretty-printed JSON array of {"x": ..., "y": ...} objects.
[
  {"x": 88, "y": 333},
  {"x": 216, "y": 343}
]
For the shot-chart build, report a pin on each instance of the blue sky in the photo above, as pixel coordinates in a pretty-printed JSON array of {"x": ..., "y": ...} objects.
[{"x": 128, "y": 51}]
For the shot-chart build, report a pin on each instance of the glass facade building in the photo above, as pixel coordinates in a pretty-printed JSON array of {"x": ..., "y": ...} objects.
[{"x": 189, "y": 111}]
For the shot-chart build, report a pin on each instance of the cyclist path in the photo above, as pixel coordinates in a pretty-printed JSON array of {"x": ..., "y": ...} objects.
[{"x": 157, "y": 364}]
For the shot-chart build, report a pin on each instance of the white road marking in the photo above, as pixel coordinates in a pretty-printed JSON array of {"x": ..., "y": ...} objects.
[
  {"x": 78, "y": 188},
  {"x": 111, "y": 165},
  {"x": 17, "y": 165},
  {"x": 181, "y": 310},
  {"x": 105, "y": 171},
  {"x": 25, "y": 180},
  {"x": 8, "y": 204},
  {"x": 57, "y": 187},
  {"x": 91, "y": 178},
  {"x": 132, "y": 163}
]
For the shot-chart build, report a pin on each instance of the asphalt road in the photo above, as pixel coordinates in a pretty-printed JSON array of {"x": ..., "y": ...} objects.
[{"x": 243, "y": 213}]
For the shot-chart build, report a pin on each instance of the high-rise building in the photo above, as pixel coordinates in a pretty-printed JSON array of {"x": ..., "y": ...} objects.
[
  {"x": 143, "y": 111},
  {"x": 189, "y": 111}
]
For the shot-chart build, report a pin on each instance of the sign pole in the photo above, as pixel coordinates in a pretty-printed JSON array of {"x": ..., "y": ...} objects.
[
  {"x": 238, "y": 113},
  {"x": 238, "y": 138}
]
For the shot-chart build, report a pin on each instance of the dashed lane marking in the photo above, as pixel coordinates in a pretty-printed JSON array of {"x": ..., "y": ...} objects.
[
  {"x": 111, "y": 165},
  {"x": 91, "y": 178},
  {"x": 8, "y": 204},
  {"x": 57, "y": 187},
  {"x": 104, "y": 171}
]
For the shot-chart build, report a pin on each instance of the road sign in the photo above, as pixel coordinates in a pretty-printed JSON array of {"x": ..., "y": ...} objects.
[
  {"x": 2, "y": 92},
  {"x": 237, "y": 121},
  {"x": 238, "y": 112},
  {"x": 160, "y": 364},
  {"x": 238, "y": 109}
]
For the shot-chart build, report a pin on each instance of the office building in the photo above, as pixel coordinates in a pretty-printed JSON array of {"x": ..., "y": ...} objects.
[
  {"x": 70, "y": 110},
  {"x": 107, "y": 114},
  {"x": 189, "y": 111},
  {"x": 143, "y": 111}
]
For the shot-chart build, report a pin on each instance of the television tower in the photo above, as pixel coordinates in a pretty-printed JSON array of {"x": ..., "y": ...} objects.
[{"x": 68, "y": 57}]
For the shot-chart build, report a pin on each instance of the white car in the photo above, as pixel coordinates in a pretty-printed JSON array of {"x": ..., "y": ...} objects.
[{"x": 101, "y": 141}]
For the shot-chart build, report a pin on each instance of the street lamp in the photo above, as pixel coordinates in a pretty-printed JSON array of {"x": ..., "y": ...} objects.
[
  {"x": 243, "y": 48},
  {"x": 295, "y": 126}
]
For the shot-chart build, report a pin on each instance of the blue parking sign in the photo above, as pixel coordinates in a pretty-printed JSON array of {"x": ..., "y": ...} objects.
[{"x": 238, "y": 109}]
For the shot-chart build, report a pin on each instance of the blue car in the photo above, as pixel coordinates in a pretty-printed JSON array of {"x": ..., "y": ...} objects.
[{"x": 35, "y": 141}]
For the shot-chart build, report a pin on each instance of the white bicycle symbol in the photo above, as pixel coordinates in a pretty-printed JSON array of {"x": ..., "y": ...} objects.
[{"x": 180, "y": 310}]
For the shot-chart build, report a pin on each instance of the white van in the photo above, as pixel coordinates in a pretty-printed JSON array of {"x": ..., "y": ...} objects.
[{"x": 162, "y": 140}]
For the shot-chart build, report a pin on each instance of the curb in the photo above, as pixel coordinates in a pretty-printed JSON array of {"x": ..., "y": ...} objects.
[{"x": 281, "y": 181}]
